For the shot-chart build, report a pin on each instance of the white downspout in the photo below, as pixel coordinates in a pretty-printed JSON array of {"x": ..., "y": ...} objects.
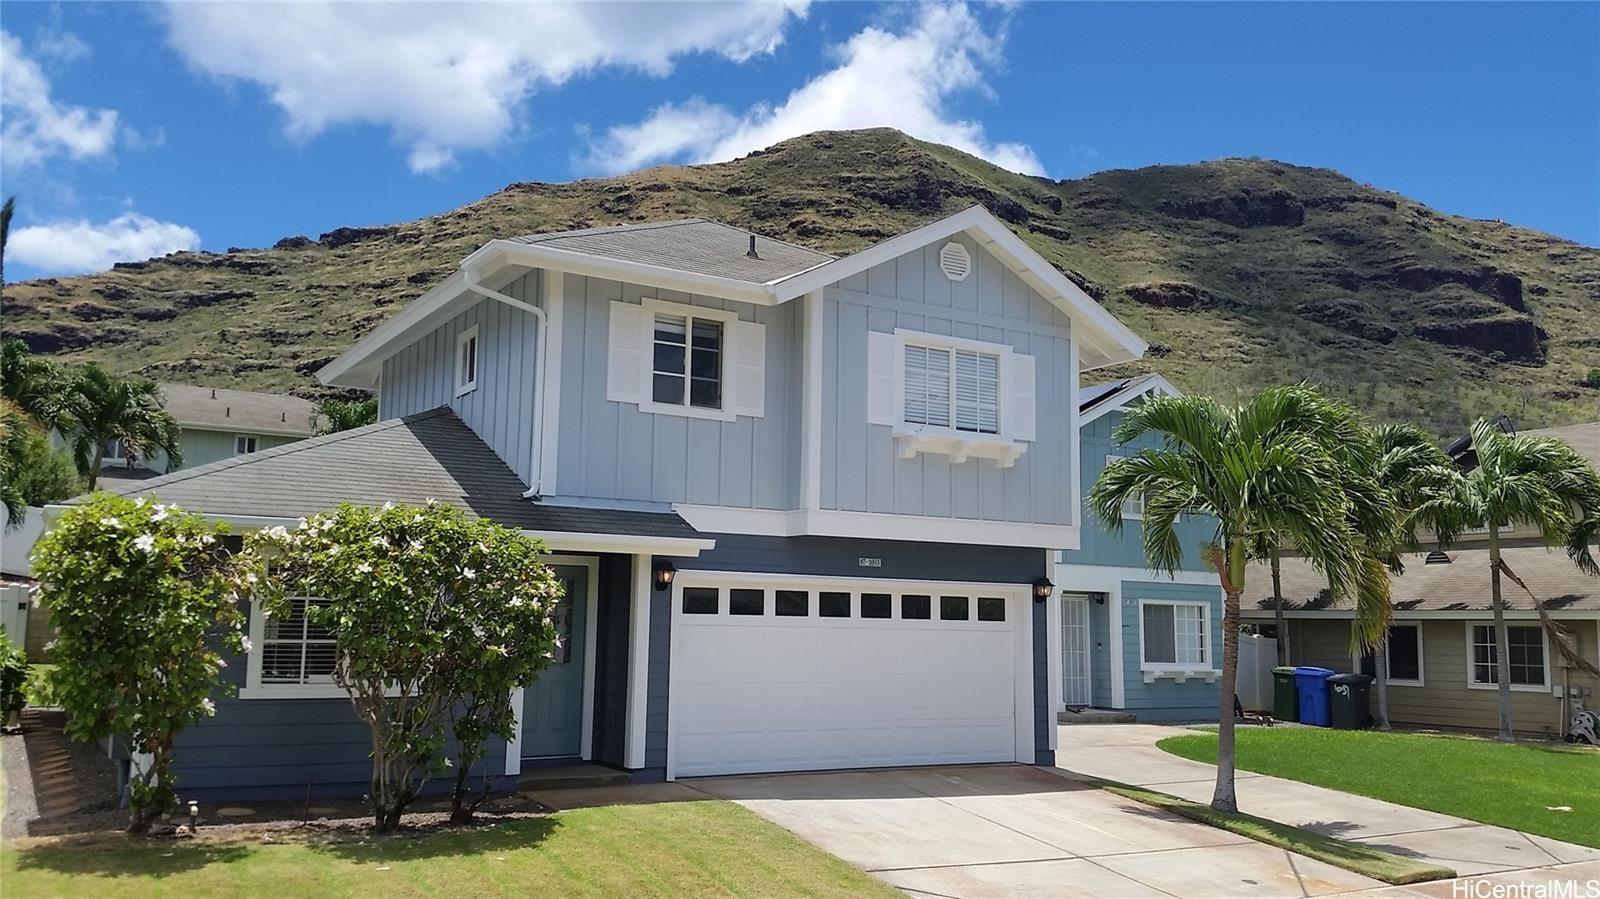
[{"x": 536, "y": 448}]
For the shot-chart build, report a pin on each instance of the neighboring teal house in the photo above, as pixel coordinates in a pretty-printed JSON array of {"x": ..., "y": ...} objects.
[
  {"x": 1131, "y": 639},
  {"x": 218, "y": 423}
]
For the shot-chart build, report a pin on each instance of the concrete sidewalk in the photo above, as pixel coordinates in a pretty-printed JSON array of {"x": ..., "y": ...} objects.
[{"x": 1127, "y": 753}]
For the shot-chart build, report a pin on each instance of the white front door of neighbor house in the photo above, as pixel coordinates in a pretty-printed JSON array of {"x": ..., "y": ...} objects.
[
  {"x": 1075, "y": 682},
  {"x": 797, "y": 676}
]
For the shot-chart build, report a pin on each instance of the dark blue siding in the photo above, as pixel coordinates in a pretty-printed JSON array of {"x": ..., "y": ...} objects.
[{"x": 611, "y": 660}]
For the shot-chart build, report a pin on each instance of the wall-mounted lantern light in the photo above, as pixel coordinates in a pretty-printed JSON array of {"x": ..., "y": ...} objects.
[
  {"x": 665, "y": 571},
  {"x": 1041, "y": 589}
]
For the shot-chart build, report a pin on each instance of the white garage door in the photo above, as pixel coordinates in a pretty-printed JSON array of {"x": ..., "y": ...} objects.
[{"x": 799, "y": 676}]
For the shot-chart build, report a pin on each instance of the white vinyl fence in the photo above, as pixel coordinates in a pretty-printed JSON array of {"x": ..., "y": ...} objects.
[
  {"x": 14, "y": 603},
  {"x": 1257, "y": 655}
]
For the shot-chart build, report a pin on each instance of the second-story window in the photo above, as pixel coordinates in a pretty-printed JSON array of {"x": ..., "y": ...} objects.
[
  {"x": 467, "y": 361},
  {"x": 952, "y": 388},
  {"x": 687, "y": 362},
  {"x": 244, "y": 444}
]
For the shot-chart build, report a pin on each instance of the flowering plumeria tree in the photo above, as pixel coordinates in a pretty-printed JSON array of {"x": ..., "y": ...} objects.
[
  {"x": 145, "y": 601},
  {"x": 434, "y": 616}
]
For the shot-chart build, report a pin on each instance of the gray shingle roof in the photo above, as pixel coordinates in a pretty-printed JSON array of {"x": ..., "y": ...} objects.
[
  {"x": 691, "y": 245},
  {"x": 219, "y": 408},
  {"x": 1584, "y": 438},
  {"x": 1461, "y": 585},
  {"x": 431, "y": 455}
]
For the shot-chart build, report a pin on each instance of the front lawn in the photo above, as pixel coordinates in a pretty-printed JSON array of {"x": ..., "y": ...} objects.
[
  {"x": 1519, "y": 785},
  {"x": 669, "y": 849}
]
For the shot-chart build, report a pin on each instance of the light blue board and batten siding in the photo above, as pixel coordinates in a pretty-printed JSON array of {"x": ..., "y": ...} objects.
[
  {"x": 610, "y": 450},
  {"x": 422, "y": 376},
  {"x": 1126, "y": 550},
  {"x": 1165, "y": 699},
  {"x": 861, "y": 471}
]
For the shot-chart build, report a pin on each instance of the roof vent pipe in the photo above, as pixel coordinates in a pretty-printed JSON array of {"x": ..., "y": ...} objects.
[
  {"x": 227, "y": 411},
  {"x": 752, "y": 251},
  {"x": 213, "y": 393}
]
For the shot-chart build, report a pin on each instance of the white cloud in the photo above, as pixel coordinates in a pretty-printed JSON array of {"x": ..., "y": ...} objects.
[
  {"x": 72, "y": 247},
  {"x": 450, "y": 77},
  {"x": 901, "y": 79},
  {"x": 36, "y": 126}
]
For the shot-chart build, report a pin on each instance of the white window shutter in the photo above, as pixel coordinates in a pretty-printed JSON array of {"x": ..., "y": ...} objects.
[
  {"x": 625, "y": 351},
  {"x": 1021, "y": 402},
  {"x": 883, "y": 363},
  {"x": 748, "y": 392}
]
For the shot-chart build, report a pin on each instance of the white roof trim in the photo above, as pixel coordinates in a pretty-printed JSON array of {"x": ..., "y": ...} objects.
[
  {"x": 573, "y": 541},
  {"x": 1120, "y": 400},
  {"x": 1108, "y": 339}
]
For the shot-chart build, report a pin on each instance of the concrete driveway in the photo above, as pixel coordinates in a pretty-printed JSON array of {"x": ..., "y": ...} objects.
[{"x": 1012, "y": 830}]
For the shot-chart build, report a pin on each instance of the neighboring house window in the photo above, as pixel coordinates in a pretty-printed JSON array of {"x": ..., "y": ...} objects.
[
  {"x": 687, "y": 362},
  {"x": 1404, "y": 654},
  {"x": 114, "y": 451},
  {"x": 295, "y": 651},
  {"x": 1527, "y": 656},
  {"x": 244, "y": 444},
  {"x": 952, "y": 388},
  {"x": 1173, "y": 634},
  {"x": 467, "y": 361}
]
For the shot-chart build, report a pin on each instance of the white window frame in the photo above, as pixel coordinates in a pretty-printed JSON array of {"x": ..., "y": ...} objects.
[
  {"x": 119, "y": 459},
  {"x": 253, "y": 687},
  {"x": 1180, "y": 671},
  {"x": 466, "y": 338},
  {"x": 912, "y": 438},
  {"x": 996, "y": 353},
  {"x": 255, "y": 443},
  {"x": 1422, "y": 662},
  {"x": 654, "y": 308},
  {"x": 1544, "y": 642}
]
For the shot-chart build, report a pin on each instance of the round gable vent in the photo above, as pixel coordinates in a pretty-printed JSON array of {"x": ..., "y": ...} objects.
[
  {"x": 1437, "y": 558},
  {"x": 955, "y": 262}
]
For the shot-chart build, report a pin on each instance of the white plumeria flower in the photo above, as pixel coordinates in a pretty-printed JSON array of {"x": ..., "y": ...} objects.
[
  {"x": 222, "y": 662},
  {"x": 245, "y": 642},
  {"x": 381, "y": 540},
  {"x": 145, "y": 543},
  {"x": 468, "y": 573},
  {"x": 140, "y": 502},
  {"x": 161, "y": 513},
  {"x": 364, "y": 568},
  {"x": 416, "y": 546},
  {"x": 111, "y": 522},
  {"x": 448, "y": 763},
  {"x": 303, "y": 524},
  {"x": 207, "y": 540},
  {"x": 278, "y": 532},
  {"x": 388, "y": 507},
  {"x": 502, "y": 650},
  {"x": 209, "y": 706}
]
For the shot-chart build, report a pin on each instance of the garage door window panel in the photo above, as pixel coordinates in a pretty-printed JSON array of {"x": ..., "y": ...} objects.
[
  {"x": 953, "y": 608},
  {"x": 833, "y": 605},
  {"x": 916, "y": 607},
  {"x": 793, "y": 604},
  {"x": 701, "y": 600},
  {"x": 747, "y": 602},
  {"x": 877, "y": 605}
]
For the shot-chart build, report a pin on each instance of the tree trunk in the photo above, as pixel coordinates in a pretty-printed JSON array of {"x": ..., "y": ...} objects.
[
  {"x": 1380, "y": 668},
  {"x": 149, "y": 793},
  {"x": 1280, "y": 620},
  {"x": 1502, "y": 640},
  {"x": 94, "y": 464},
  {"x": 1224, "y": 799}
]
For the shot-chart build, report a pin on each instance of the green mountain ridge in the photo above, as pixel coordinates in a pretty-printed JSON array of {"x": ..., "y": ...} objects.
[{"x": 1240, "y": 273}]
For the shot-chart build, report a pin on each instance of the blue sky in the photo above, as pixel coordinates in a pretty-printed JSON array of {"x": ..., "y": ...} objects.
[{"x": 136, "y": 129}]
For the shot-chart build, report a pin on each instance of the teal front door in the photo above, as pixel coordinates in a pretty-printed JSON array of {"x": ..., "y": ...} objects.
[{"x": 552, "y": 710}]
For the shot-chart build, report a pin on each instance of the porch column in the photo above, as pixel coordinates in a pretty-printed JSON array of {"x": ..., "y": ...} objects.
[{"x": 638, "y": 661}]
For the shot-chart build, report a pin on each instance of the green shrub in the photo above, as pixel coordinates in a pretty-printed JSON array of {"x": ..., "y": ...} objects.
[
  {"x": 13, "y": 679},
  {"x": 1593, "y": 379}
]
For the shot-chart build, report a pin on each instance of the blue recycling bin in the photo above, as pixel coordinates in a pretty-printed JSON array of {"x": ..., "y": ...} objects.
[{"x": 1312, "y": 685}]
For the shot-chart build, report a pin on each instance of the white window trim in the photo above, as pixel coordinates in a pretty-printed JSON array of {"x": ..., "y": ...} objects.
[
  {"x": 1178, "y": 671},
  {"x": 238, "y": 437},
  {"x": 911, "y": 438},
  {"x": 1422, "y": 663},
  {"x": 647, "y": 402},
  {"x": 253, "y": 687},
  {"x": 1544, "y": 641},
  {"x": 464, "y": 387}
]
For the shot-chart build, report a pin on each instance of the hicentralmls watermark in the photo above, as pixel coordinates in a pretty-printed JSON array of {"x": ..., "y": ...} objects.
[{"x": 1554, "y": 888}]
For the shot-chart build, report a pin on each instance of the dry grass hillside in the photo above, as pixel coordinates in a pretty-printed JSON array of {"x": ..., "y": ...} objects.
[{"x": 1241, "y": 273}]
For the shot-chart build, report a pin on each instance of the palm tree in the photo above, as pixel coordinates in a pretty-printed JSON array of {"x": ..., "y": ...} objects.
[
  {"x": 6, "y": 210},
  {"x": 14, "y": 426},
  {"x": 1268, "y": 466},
  {"x": 333, "y": 416},
  {"x": 35, "y": 384},
  {"x": 1520, "y": 480},
  {"x": 1409, "y": 468},
  {"x": 102, "y": 407}
]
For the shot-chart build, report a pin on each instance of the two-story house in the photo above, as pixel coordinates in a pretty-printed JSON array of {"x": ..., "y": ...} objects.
[
  {"x": 216, "y": 423},
  {"x": 1135, "y": 640},
  {"x": 806, "y": 506}
]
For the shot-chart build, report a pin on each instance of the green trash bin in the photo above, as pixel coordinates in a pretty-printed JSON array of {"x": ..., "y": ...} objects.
[
  {"x": 1348, "y": 701},
  {"x": 1285, "y": 700}
]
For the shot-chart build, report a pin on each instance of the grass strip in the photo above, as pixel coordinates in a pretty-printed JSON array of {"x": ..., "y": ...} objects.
[{"x": 1363, "y": 860}]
